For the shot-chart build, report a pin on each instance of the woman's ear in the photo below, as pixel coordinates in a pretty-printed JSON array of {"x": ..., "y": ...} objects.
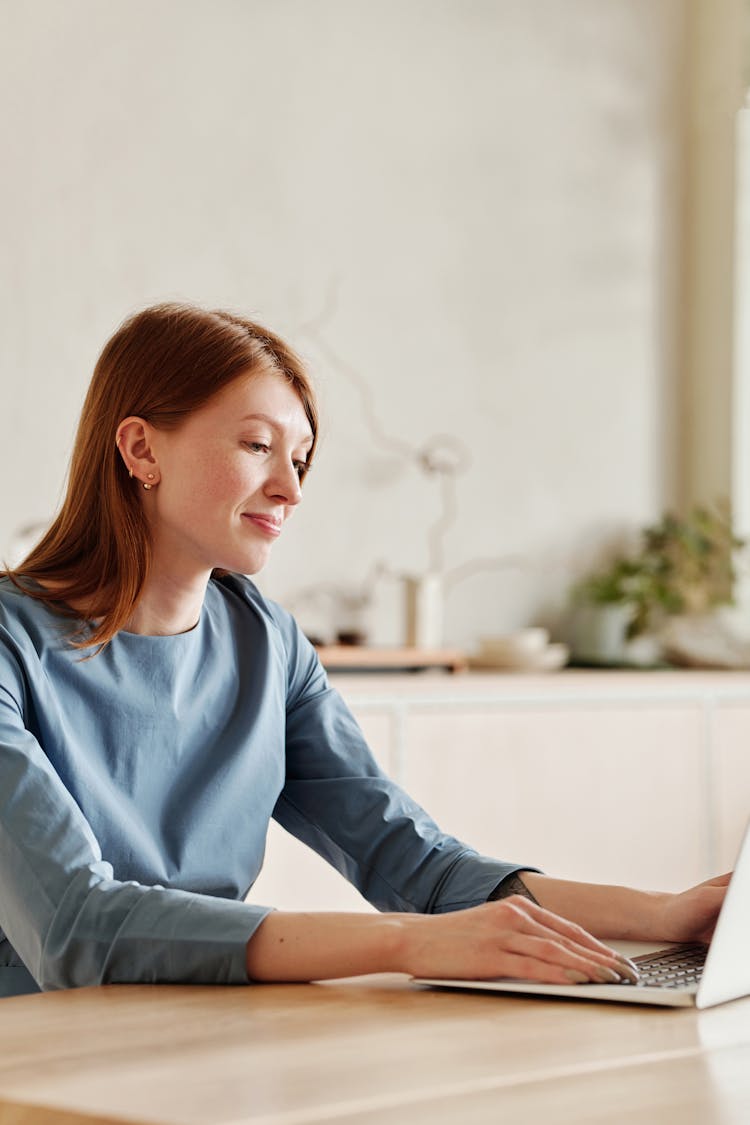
[{"x": 133, "y": 440}]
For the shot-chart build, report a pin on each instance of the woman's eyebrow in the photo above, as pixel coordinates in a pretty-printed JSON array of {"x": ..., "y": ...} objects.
[{"x": 273, "y": 422}]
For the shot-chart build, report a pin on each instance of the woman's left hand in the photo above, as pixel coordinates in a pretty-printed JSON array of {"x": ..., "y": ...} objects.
[{"x": 691, "y": 915}]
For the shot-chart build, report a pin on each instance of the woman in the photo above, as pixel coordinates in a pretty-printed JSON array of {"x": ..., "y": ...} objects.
[{"x": 156, "y": 711}]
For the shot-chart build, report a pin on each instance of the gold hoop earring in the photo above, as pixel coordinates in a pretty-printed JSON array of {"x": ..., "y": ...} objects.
[
  {"x": 130, "y": 472},
  {"x": 147, "y": 486}
]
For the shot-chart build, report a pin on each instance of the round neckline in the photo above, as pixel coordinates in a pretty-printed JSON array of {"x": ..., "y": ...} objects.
[{"x": 163, "y": 636}]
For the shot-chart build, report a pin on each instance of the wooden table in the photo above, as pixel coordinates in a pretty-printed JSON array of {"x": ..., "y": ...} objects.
[{"x": 378, "y": 1049}]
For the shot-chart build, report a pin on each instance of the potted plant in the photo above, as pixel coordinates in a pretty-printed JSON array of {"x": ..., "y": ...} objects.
[{"x": 685, "y": 566}]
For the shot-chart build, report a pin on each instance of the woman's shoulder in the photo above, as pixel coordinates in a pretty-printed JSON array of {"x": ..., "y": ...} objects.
[
  {"x": 28, "y": 628},
  {"x": 241, "y": 594},
  {"x": 17, "y": 605},
  {"x": 10, "y": 589}
]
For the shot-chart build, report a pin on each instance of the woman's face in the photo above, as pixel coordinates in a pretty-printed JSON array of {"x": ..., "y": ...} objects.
[{"x": 228, "y": 477}]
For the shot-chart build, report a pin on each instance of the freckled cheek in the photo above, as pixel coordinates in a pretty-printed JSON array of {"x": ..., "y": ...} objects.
[
  {"x": 222, "y": 490},
  {"x": 203, "y": 488},
  {"x": 191, "y": 498}
]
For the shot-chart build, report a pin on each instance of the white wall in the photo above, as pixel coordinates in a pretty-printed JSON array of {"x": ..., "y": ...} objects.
[{"x": 476, "y": 202}]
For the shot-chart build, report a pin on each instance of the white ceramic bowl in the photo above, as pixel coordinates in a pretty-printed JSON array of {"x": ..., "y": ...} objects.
[
  {"x": 549, "y": 659},
  {"x": 524, "y": 644}
]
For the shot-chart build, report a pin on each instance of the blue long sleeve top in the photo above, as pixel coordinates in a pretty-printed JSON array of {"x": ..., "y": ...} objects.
[{"x": 136, "y": 789}]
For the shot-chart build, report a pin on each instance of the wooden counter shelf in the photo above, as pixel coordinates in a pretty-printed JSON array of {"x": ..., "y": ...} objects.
[{"x": 403, "y": 658}]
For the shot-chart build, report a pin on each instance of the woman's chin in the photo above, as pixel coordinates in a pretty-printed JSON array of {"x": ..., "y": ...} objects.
[{"x": 244, "y": 563}]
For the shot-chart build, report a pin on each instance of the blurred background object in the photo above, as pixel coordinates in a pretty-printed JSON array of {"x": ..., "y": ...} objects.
[{"x": 684, "y": 569}]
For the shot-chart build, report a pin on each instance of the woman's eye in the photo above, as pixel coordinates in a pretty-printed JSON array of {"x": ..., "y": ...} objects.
[
  {"x": 257, "y": 446},
  {"x": 301, "y": 468}
]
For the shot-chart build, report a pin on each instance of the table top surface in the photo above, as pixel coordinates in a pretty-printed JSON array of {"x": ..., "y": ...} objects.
[{"x": 369, "y": 1050}]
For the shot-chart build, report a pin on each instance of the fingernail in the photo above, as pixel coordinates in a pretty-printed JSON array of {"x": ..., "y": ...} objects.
[
  {"x": 629, "y": 970},
  {"x": 575, "y": 977}
]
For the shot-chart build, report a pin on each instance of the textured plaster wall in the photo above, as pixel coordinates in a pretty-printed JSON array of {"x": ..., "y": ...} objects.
[{"x": 465, "y": 215}]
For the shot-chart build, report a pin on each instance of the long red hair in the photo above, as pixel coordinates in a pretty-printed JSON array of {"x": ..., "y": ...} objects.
[{"x": 161, "y": 365}]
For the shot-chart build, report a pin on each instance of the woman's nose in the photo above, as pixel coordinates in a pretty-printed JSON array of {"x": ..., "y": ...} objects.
[{"x": 285, "y": 484}]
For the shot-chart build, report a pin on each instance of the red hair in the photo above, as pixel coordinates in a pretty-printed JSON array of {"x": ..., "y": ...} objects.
[{"x": 161, "y": 365}]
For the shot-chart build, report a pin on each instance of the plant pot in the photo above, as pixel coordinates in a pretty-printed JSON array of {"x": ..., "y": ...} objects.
[{"x": 599, "y": 633}]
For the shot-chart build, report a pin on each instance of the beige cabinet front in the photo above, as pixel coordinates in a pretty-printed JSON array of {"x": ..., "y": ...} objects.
[{"x": 609, "y": 794}]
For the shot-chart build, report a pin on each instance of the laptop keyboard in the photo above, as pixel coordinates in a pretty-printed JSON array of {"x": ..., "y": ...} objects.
[{"x": 671, "y": 968}]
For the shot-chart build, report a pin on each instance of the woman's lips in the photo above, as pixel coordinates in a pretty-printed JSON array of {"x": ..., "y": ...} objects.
[{"x": 266, "y": 524}]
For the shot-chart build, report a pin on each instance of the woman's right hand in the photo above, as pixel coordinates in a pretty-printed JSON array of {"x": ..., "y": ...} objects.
[{"x": 513, "y": 937}]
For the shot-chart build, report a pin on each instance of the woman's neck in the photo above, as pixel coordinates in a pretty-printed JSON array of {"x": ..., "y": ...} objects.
[{"x": 167, "y": 606}]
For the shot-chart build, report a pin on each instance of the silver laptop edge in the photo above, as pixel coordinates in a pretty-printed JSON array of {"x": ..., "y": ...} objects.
[{"x": 726, "y": 975}]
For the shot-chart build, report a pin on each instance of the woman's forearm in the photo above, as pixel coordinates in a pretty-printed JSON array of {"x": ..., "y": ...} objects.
[
  {"x": 621, "y": 912},
  {"x": 319, "y": 946},
  {"x": 606, "y": 911}
]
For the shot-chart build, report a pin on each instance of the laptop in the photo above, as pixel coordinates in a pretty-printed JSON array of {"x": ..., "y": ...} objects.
[{"x": 674, "y": 976}]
